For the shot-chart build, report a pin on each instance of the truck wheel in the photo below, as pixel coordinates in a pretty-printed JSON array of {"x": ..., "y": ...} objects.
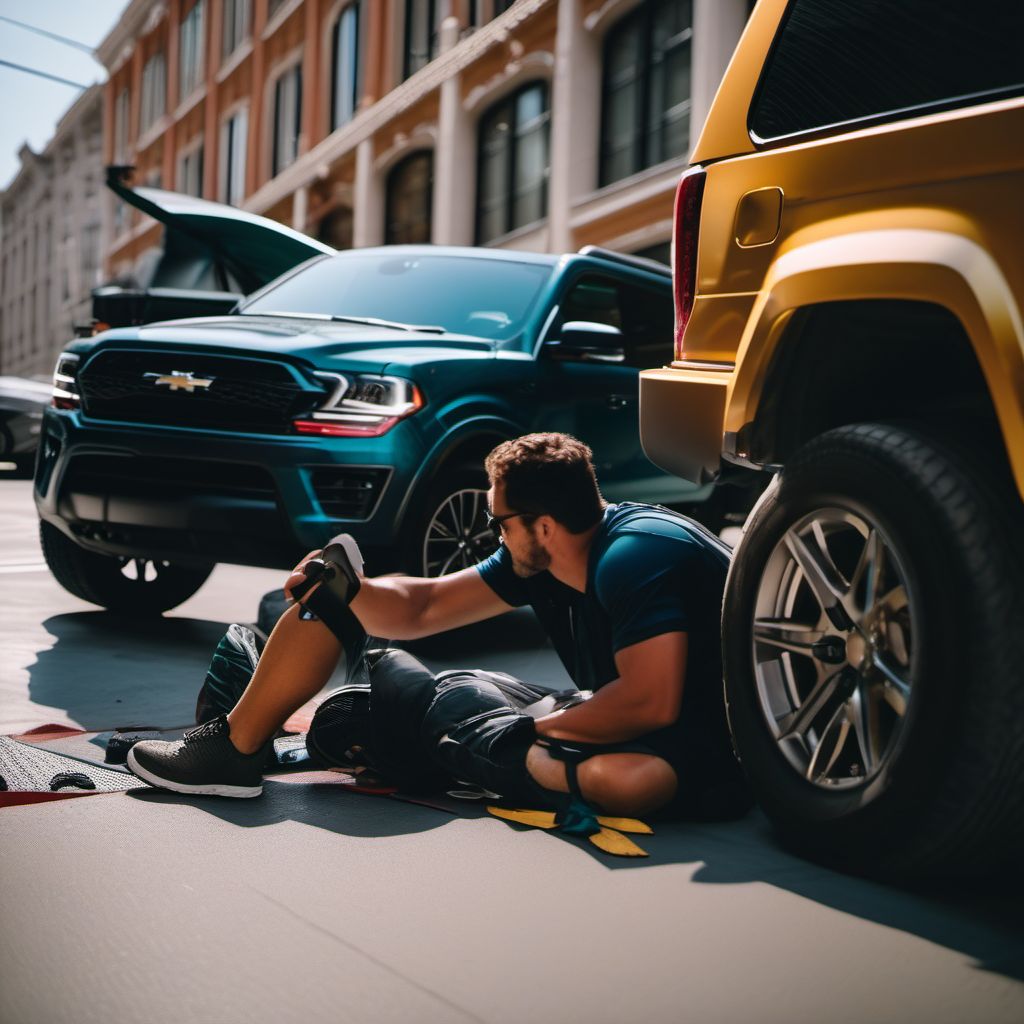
[
  {"x": 873, "y": 653},
  {"x": 451, "y": 532},
  {"x": 132, "y": 586}
]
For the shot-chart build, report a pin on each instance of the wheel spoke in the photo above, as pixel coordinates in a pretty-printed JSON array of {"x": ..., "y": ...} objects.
[
  {"x": 870, "y": 569},
  {"x": 795, "y": 637},
  {"x": 438, "y": 527},
  {"x": 829, "y": 747},
  {"x": 821, "y": 574},
  {"x": 799, "y": 721},
  {"x": 895, "y": 681},
  {"x": 863, "y": 714},
  {"x": 896, "y": 685}
]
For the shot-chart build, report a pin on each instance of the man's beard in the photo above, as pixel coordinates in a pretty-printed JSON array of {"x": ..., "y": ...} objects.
[{"x": 535, "y": 560}]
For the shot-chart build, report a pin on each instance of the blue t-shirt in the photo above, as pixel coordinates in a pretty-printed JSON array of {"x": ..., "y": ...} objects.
[{"x": 650, "y": 571}]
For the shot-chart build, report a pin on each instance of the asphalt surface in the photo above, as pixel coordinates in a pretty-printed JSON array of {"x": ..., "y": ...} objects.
[{"x": 309, "y": 903}]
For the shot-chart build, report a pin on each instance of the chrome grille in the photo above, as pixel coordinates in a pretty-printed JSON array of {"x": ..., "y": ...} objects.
[{"x": 246, "y": 394}]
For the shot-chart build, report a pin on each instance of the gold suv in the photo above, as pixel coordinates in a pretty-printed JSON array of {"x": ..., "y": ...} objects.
[{"x": 849, "y": 274}]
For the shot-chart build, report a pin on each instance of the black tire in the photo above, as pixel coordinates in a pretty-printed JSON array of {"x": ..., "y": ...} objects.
[
  {"x": 945, "y": 795},
  {"x": 429, "y": 554},
  {"x": 101, "y": 579}
]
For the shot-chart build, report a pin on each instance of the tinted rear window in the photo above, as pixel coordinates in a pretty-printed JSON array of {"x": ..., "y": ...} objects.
[{"x": 837, "y": 61}]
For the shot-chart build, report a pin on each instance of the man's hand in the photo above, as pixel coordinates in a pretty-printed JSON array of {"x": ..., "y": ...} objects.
[{"x": 298, "y": 574}]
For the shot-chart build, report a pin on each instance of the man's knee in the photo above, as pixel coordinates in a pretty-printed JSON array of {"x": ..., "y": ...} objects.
[
  {"x": 628, "y": 783},
  {"x": 619, "y": 783}
]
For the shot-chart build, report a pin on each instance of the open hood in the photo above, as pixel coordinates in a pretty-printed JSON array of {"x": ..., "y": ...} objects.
[{"x": 247, "y": 250}]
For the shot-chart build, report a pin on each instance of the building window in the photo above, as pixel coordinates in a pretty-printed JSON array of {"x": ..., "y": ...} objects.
[
  {"x": 336, "y": 228},
  {"x": 154, "y": 91},
  {"x": 191, "y": 48},
  {"x": 121, "y": 108},
  {"x": 233, "y": 138},
  {"x": 646, "y": 89},
  {"x": 190, "y": 172},
  {"x": 287, "y": 119},
  {"x": 513, "y": 163},
  {"x": 483, "y": 11},
  {"x": 410, "y": 190},
  {"x": 422, "y": 29},
  {"x": 345, "y": 66},
  {"x": 236, "y": 24}
]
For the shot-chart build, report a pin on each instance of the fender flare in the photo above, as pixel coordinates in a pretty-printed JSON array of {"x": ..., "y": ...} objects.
[{"x": 929, "y": 266}]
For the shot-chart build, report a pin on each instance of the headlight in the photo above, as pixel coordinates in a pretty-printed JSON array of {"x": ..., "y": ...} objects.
[
  {"x": 366, "y": 405},
  {"x": 65, "y": 382}
]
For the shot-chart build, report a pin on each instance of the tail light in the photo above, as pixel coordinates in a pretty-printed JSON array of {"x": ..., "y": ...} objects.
[
  {"x": 685, "y": 231},
  {"x": 367, "y": 405},
  {"x": 65, "y": 382}
]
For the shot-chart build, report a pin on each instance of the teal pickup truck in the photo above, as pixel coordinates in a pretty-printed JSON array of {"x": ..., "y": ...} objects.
[{"x": 355, "y": 391}]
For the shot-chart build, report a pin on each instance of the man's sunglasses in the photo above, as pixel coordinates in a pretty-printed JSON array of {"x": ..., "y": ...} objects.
[{"x": 496, "y": 524}]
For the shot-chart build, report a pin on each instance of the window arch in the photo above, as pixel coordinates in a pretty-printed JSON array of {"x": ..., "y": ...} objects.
[
  {"x": 410, "y": 194},
  {"x": 513, "y": 162},
  {"x": 346, "y": 65},
  {"x": 645, "y": 110}
]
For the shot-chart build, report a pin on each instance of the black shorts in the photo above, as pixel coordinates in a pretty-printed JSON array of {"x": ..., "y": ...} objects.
[{"x": 471, "y": 727}]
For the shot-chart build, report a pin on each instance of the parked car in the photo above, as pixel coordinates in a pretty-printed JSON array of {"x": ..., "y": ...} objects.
[
  {"x": 22, "y": 402},
  {"x": 849, "y": 281},
  {"x": 358, "y": 392}
]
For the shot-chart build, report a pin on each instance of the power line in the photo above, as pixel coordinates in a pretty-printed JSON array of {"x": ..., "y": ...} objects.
[
  {"x": 43, "y": 74},
  {"x": 50, "y": 35}
]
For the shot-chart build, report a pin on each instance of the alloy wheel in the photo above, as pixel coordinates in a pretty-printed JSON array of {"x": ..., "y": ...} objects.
[
  {"x": 457, "y": 534},
  {"x": 833, "y": 638}
]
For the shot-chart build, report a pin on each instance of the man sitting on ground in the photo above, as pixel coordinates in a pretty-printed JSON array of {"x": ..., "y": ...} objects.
[{"x": 629, "y": 595}]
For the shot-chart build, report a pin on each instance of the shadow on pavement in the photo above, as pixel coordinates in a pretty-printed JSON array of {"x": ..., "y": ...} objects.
[
  {"x": 983, "y": 924},
  {"x": 106, "y": 670}
]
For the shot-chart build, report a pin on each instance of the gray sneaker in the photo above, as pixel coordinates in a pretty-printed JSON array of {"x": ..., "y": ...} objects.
[{"x": 204, "y": 762}]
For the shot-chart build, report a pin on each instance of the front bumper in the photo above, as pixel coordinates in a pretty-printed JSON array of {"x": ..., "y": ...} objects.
[{"x": 197, "y": 497}]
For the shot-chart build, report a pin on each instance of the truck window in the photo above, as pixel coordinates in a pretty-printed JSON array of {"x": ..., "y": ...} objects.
[
  {"x": 644, "y": 315},
  {"x": 835, "y": 62}
]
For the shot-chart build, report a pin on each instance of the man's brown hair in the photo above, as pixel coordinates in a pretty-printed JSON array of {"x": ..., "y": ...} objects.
[{"x": 548, "y": 474}]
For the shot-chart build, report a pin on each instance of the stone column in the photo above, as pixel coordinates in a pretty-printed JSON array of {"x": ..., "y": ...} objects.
[
  {"x": 575, "y": 122},
  {"x": 454, "y": 163},
  {"x": 717, "y": 26},
  {"x": 373, "y": 56},
  {"x": 368, "y": 207},
  {"x": 313, "y": 119},
  {"x": 300, "y": 208}
]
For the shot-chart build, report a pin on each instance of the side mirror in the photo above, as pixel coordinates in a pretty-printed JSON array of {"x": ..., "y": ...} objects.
[{"x": 591, "y": 342}]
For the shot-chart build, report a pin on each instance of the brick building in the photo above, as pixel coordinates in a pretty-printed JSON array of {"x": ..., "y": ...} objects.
[
  {"x": 51, "y": 246},
  {"x": 535, "y": 124}
]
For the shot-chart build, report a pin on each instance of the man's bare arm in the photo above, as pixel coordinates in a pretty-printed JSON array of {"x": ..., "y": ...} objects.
[
  {"x": 407, "y": 607},
  {"x": 647, "y": 696}
]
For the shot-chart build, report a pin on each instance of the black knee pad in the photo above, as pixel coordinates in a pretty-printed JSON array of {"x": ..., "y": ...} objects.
[{"x": 341, "y": 733}]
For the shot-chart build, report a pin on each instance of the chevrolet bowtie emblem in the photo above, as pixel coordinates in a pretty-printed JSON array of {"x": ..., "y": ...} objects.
[{"x": 178, "y": 380}]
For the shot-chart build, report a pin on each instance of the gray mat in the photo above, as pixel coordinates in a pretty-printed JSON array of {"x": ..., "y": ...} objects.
[{"x": 31, "y": 769}]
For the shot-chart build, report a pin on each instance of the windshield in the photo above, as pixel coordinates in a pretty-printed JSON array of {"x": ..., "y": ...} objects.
[{"x": 488, "y": 298}]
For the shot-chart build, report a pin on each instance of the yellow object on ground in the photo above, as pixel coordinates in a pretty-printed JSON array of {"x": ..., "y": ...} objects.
[{"x": 609, "y": 839}]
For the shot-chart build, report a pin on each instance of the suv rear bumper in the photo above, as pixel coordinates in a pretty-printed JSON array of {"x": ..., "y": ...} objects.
[
  {"x": 262, "y": 500},
  {"x": 682, "y": 419}
]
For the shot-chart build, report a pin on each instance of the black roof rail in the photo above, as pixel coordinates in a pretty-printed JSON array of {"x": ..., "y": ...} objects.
[{"x": 639, "y": 262}]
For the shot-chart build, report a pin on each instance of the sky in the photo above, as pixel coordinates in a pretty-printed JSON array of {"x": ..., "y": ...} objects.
[{"x": 30, "y": 107}]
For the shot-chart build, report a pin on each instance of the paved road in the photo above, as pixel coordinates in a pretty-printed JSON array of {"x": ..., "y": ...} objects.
[{"x": 308, "y": 904}]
